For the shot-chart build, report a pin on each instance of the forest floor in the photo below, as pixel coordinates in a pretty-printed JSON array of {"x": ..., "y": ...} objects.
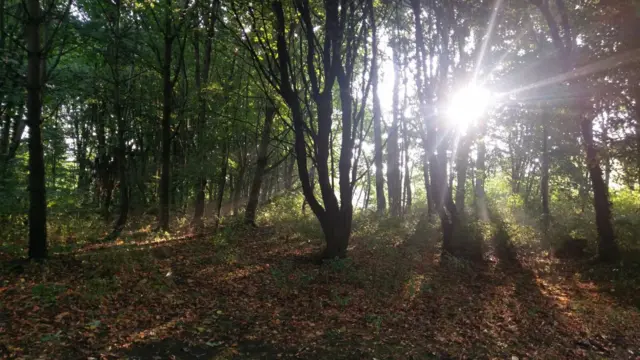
[{"x": 253, "y": 293}]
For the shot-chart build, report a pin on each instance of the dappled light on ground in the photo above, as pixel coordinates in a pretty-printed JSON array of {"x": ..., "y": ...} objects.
[{"x": 254, "y": 293}]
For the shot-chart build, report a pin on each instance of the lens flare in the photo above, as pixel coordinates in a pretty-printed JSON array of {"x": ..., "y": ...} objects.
[{"x": 467, "y": 106}]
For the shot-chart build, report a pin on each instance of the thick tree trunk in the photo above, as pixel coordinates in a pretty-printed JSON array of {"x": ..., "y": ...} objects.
[
  {"x": 337, "y": 230},
  {"x": 381, "y": 202},
  {"x": 607, "y": 247},
  {"x": 254, "y": 194},
  {"x": 167, "y": 95},
  {"x": 37, "y": 190}
]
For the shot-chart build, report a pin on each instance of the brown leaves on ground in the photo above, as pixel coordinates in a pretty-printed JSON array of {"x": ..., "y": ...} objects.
[{"x": 254, "y": 294}]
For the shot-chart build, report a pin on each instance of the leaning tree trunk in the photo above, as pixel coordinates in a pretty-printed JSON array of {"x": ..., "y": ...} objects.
[
  {"x": 254, "y": 194},
  {"x": 607, "y": 247},
  {"x": 37, "y": 190}
]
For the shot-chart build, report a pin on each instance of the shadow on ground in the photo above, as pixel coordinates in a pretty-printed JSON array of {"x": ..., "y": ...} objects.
[{"x": 245, "y": 293}]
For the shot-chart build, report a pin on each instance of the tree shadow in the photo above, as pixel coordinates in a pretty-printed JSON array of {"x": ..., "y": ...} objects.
[
  {"x": 249, "y": 297},
  {"x": 549, "y": 311},
  {"x": 619, "y": 282}
]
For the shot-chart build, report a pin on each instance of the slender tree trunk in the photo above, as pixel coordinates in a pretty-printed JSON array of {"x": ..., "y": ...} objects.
[
  {"x": 167, "y": 95},
  {"x": 6, "y": 129},
  {"x": 607, "y": 247},
  {"x": 237, "y": 189},
  {"x": 254, "y": 194},
  {"x": 121, "y": 158},
  {"x": 381, "y": 202},
  {"x": 636, "y": 93},
  {"x": 544, "y": 180},
  {"x": 422, "y": 91},
  {"x": 202, "y": 78},
  {"x": 288, "y": 180},
  {"x": 37, "y": 189},
  {"x": 462, "y": 164},
  {"x": 368, "y": 189},
  {"x": 16, "y": 135},
  {"x": 221, "y": 182},
  {"x": 393, "y": 160},
  {"x": 481, "y": 173},
  {"x": 605, "y": 149}
]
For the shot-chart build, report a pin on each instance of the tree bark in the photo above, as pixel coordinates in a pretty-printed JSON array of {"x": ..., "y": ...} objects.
[
  {"x": 237, "y": 189},
  {"x": 335, "y": 218},
  {"x": 167, "y": 96},
  {"x": 607, "y": 247},
  {"x": 221, "y": 182},
  {"x": 201, "y": 79},
  {"x": 254, "y": 194},
  {"x": 422, "y": 91},
  {"x": 462, "y": 164},
  {"x": 121, "y": 158},
  {"x": 393, "y": 161},
  {"x": 481, "y": 173},
  {"x": 381, "y": 202},
  {"x": 37, "y": 189},
  {"x": 544, "y": 180}
]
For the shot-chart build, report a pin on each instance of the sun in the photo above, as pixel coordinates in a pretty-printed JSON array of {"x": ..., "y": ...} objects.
[{"x": 467, "y": 105}]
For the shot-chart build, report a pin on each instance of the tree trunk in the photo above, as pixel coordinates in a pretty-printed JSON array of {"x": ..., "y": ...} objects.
[
  {"x": 221, "y": 182},
  {"x": 337, "y": 230},
  {"x": 462, "y": 164},
  {"x": 544, "y": 180},
  {"x": 422, "y": 91},
  {"x": 6, "y": 130},
  {"x": 201, "y": 79},
  {"x": 381, "y": 202},
  {"x": 167, "y": 95},
  {"x": 121, "y": 158},
  {"x": 199, "y": 203},
  {"x": 481, "y": 173},
  {"x": 254, "y": 194},
  {"x": 335, "y": 217},
  {"x": 237, "y": 188},
  {"x": 393, "y": 162},
  {"x": 37, "y": 190},
  {"x": 607, "y": 247}
]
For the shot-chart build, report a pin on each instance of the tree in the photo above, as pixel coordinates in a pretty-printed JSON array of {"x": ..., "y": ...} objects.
[
  {"x": 263, "y": 148},
  {"x": 37, "y": 195}
]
